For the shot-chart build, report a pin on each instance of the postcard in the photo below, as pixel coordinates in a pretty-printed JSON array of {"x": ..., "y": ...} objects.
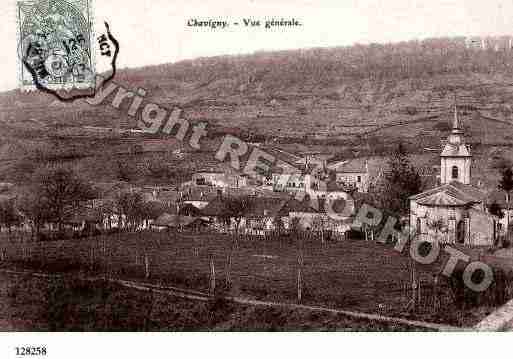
[{"x": 253, "y": 166}]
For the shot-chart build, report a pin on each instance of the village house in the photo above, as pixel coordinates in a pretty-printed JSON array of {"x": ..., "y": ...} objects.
[
  {"x": 197, "y": 195},
  {"x": 263, "y": 213},
  {"x": 352, "y": 174},
  {"x": 168, "y": 222},
  {"x": 218, "y": 178}
]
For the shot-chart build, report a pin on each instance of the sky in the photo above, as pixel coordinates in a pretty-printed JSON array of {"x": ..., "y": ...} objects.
[{"x": 155, "y": 31}]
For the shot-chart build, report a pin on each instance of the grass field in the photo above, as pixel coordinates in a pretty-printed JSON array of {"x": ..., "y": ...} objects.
[
  {"x": 354, "y": 275},
  {"x": 41, "y": 304}
]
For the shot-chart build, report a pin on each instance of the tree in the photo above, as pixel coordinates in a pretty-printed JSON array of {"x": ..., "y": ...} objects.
[
  {"x": 506, "y": 184},
  {"x": 61, "y": 193},
  {"x": 319, "y": 225},
  {"x": 9, "y": 215},
  {"x": 107, "y": 210},
  {"x": 158, "y": 168},
  {"x": 126, "y": 170},
  {"x": 132, "y": 206},
  {"x": 35, "y": 209},
  {"x": 279, "y": 226},
  {"x": 295, "y": 225},
  {"x": 496, "y": 210},
  {"x": 236, "y": 208},
  {"x": 399, "y": 183}
]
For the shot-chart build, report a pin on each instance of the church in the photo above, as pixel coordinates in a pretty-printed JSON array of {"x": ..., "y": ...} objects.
[{"x": 454, "y": 211}]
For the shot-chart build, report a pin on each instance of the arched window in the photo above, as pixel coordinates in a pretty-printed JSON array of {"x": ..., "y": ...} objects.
[{"x": 454, "y": 172}]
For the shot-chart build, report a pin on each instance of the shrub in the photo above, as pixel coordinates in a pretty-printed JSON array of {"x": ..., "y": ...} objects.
[{"x": 441, "y": 126}]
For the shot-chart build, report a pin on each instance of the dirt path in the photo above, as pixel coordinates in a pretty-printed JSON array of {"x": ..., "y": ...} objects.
[{"x": 201, "y": 296}]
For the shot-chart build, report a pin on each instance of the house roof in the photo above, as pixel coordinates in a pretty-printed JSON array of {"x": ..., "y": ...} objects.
[
  {"x": 214, "y": 208},
  {"x": 173, "y": 220},
  {"x": 333, "y": 186},
  {"x": 256, "y": 191},
  {"x": 451, "y": 194},
  {"x": 442, "y": 199},
  {"x": 293, "y": 205},
  {"x": 281, "y": 154},
  {"x": 198, "y": 193},
  {"x": 264, "y": 207},
  {"x": 256, "y": 206},
  {"x": 208, "y": 171},
  {"x": 157, "y": 208},
  {"x": 188, "y": 209},
  {"x": 168, "y": 196},
  {"x": 87, "y": 215},
  {"x": 354, "y": 165}
]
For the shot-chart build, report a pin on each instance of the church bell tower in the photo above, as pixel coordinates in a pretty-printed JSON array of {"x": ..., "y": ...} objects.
[{"x": 455, "y": 159}]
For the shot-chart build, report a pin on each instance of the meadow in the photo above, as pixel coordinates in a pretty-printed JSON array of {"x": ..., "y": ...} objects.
[{"x": 353, "y": 275}]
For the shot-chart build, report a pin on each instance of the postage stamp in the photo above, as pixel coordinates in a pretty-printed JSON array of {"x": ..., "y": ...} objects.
[{"x": 55, "y": 44}]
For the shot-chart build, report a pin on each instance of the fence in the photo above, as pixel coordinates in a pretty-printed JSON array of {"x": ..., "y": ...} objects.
[{"x": 358, "y": 275}]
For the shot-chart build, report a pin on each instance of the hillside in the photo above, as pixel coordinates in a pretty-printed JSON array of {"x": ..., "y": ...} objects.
[{"x": 365, "y": 97}]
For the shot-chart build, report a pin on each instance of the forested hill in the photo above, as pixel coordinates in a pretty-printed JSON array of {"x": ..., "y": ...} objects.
[{"x": 359, "y": 90}]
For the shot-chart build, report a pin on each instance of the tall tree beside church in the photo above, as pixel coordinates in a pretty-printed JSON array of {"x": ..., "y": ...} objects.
[
  {"x": 506, "y": 184},
  {"x": 400, "y": 181}
]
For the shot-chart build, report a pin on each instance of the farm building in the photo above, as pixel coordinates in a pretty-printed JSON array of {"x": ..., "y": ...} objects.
[{"x": 352, "y": 174}]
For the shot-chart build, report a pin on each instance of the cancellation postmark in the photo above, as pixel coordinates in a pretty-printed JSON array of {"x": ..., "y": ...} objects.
[{"x": 55, "y": 44}]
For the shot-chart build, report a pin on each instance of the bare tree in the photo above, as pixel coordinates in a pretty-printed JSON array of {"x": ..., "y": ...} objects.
[
  {"x": 62, "y": 191},
  {"x": 132, "y": 206},
  {"x": 235, "y": 208},
  {"x": 35, "y": 209},
  {"x": 9, "y": 215}
]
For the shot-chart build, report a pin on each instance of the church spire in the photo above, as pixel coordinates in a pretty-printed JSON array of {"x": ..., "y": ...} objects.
[
  {"x": 456, "y": 129},
  {"x": 455, "y": 157},
  {"x": 455, "y": 123}
]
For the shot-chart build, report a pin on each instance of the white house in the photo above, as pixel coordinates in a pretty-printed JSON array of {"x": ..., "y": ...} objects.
[{"x": 352, "y": 173}]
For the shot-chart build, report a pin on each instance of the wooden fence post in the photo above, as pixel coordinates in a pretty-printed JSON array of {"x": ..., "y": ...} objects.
[
  {"x": 414, "y": 285},
  {"x": 419, "y": 291},
  {"x": 229, "y": 270},
  {"x": 436, "y": 299},
  {"x": 91, "y": 257},
  {"x": 105, "y": 258},
  {"x": 41, "y": 254},
  {"x": 146, "y": 266},
  {"x": 299, "y": 280},
  {"x": 212, "y": 277}
]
